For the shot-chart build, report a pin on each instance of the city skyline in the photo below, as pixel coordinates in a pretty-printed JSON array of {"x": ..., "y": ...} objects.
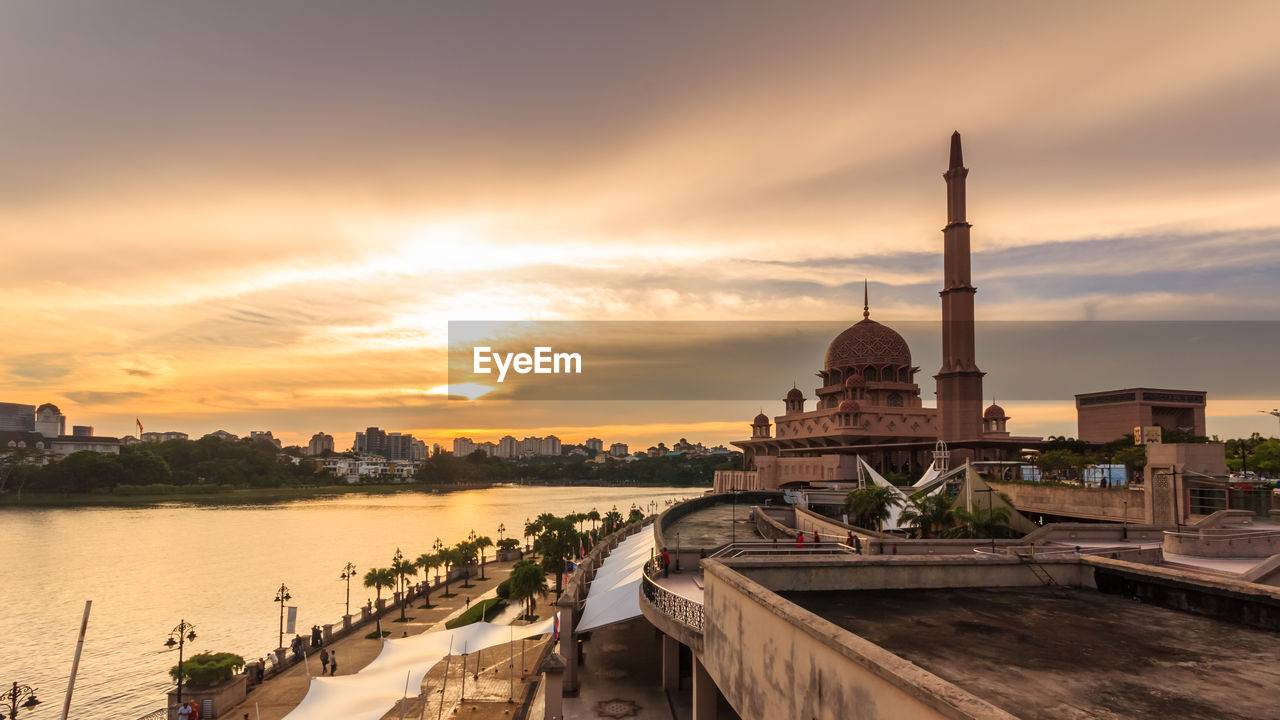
[{"x": 249, "y": 238}]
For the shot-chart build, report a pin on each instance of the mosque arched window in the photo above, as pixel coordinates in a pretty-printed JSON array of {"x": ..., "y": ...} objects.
[
  {"x": 894, "y": 400},
  {"x": 870, "y": 373}
]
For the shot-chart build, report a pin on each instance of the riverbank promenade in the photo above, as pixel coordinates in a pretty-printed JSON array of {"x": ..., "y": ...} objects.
[{"x": 281, "y": 693}]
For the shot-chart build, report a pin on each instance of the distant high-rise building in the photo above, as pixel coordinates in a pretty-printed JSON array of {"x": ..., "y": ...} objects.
[
  {"x": 594, "y": 444},
  {"x": 618, "y": 450},
  {"x": 18, "y": 417},
  {"x": 320, "y": 444},
  {"x": 264, "y": 435},
  {"x": 435, "y": 449},
  {"x": 508, "y": 447},
  {"x": 162, "y": 436},
  {"x": 463, "y": 447}
]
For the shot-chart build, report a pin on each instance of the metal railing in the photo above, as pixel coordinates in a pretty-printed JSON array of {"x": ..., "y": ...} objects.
[
  {"x": 745, "y": 549},
  {"x": 678, "y": 607}
]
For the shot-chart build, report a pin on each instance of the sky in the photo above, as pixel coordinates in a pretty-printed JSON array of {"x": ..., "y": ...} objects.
[{"x": 250, "y": 216}]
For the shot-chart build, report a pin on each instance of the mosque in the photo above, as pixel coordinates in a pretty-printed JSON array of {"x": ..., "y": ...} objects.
[{"x": 869, "y": 404}]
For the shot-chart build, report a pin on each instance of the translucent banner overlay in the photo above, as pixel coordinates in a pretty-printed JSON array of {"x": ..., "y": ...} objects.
[{"x": 728, "y": 360}]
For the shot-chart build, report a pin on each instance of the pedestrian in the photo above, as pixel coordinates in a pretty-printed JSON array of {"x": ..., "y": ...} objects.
[
  {"x": 184, "y": 712},
  {"x": 262, "y": 669},
  {"x": 468, "y": 602},
  {"x": 816, "y": 537},
  {"x": 849, "y": 540},
  {"x": 800, "y": 539},
  {"x": 666, "y": 563},
  {"x": 195, "y": 711},
  {"x": 333, "y": 663},
  {"x": 857, "y": 544},
  {"x": 324, "y": 662}
]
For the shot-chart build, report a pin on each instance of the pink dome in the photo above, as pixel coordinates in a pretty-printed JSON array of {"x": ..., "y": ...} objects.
[
  {"x": 761, "y": 419},
  {"x": 795, "y": 394},
  {"x": 995, "y": 412},
  {"x": 867, "y": 342},
  {"x": 849, "y": 406},
  {"x": 855, "y": 381}
]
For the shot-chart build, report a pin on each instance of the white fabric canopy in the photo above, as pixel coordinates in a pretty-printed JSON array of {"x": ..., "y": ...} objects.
[
  {"x": 615, "y": 592},
  {"x": 368, "y": 694}
]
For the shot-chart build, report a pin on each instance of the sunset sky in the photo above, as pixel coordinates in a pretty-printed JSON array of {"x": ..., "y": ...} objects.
[{"x": 262, "y": 215}]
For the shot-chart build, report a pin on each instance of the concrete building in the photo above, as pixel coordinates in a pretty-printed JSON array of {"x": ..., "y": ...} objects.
[
  {"x": 158, "y": 437},
  {"x": 320, "y": 444},
  {"x": 508, "y": 447},
  {"x": 594, "y": 444},
  {"x": 463, "y": 447},
  {"x": 223, "y": 435},
  {"x": 50, "y": 421},
  {"x": 619, "y": 450},
  {"x": 1110, "y": 414},
  {"x": 265, "y": 436}
]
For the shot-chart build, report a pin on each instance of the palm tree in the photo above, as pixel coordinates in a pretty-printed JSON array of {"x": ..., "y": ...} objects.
[
  {"x": 612, "y": 520},
  {"x": 980, "y": 522},
  {"x": 482, "y": 542},
  {"x": 466, "y": 558},
  {"x": 428, "y": 562},
  {"x": 448, "y": 557},
  {"x": 378, "y": 578},
  {"x": 527, "y": 582},
  {"x": 872, "y": 505},
  {"x": 928, "y": 514},
  {"x": 403, "y": 569},
  {"x": 594, "y": 517}
]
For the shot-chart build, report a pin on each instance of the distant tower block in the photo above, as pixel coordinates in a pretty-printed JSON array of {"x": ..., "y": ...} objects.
[{"x": 959, "y": 380}]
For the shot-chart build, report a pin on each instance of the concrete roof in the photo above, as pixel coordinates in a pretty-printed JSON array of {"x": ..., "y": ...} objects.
[{"x": 1089, "y": 655}]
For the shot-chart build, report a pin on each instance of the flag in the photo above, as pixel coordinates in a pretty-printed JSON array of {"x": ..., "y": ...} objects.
[
  {"x": 555, "y": 628},
  {"x": 139, "y": 424},
  {"x": 291, "y": 619},
  {"x": 582, "y": 552}
]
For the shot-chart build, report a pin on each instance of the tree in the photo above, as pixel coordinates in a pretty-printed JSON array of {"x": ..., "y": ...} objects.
[
  {"x": 427, "y": 561},
  {"x": 403, "y": 569},
  {"x": 871, "y": 506},
  {"x": 527, "y": 581},
  {"x": 448, "y": 557},
  {"x": 467, "y": 552},
  {"x": 636, "y": 515},
  {"x": 594, "y": 517},
  {"x": 378, "y": 578},
  {"x": 481, "y": 543},
  {"x": 981, "y": 522},
  {"x": 928, "y": 514},
  {"x": 557, "y": 543},
  {"x": 612, "y": 520}
]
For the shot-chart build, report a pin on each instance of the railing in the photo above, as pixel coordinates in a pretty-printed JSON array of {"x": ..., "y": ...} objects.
[
  {"x": 680, "y": 608},
  {"x": 1212, "y": 536},
  {"x": 745, "y": 549}
]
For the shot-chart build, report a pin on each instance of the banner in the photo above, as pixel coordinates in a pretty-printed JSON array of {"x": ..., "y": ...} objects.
[{"x": 291, "y": 619}]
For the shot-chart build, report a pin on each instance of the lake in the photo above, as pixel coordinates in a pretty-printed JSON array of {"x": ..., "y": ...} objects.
[{"x": 218, "y": 567}]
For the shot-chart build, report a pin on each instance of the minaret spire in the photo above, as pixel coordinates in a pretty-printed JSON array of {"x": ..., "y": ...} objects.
[
  {"x": 957, "y": 156},
  {"x": 866, "y": 306}
]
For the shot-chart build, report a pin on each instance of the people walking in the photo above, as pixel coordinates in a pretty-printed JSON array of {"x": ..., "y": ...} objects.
[
  {"x": 800, "y": 539},
  {"x": 666, "y": 563},
  {"x": 324, "y": 662},
  {"x": 195, "y": 710},
  {"x": 184, "y": 712},
  {"x": 333, "y": 663}
]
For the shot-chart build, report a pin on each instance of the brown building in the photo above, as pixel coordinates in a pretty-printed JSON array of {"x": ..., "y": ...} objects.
[{"x": 1104, "y": 416}]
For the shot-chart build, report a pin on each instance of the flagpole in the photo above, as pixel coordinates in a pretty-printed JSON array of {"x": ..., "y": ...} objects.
[{"x": 75, "y": 663}]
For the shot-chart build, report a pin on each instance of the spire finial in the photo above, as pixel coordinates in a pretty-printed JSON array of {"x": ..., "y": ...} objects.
[
  {"x": 957, "y": 157},
  {"x": 866, "y": 306}
]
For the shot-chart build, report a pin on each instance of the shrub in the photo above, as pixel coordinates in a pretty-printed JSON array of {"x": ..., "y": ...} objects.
[
  {"x": 208, "y": 669},
  {"x": 489, "y": 608},
  {"x": 504, "y": 589}
]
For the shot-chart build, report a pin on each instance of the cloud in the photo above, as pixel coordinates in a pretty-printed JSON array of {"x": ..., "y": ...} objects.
[{"x": 100, "y": 397}]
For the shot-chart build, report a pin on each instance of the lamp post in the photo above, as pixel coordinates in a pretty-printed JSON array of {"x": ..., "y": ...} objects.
[
  {"x": 501, "y": 529},
  {"x": 348, "y": 573},
  {"x": 15, "y": 694},
  {"x": 282, "y": 596},
  {"x": 436, "y": 547},
  {"x": 185, "y": 632},
  {"x": 526, "y": 534}
]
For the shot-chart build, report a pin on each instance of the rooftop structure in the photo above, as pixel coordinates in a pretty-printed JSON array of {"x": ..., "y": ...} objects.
[{"x": 1110, "y": 414}]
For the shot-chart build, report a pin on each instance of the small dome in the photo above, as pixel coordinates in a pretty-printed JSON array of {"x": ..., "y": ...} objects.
[
  {"x": 855, "y": 381},
  {"x": 995, "y": 412},
  {"x": 849, "y": 406},
  {"x": 761, "y": 419},
  {"x": 49, "y": 406},
  {"x": 795, "y": 394}
]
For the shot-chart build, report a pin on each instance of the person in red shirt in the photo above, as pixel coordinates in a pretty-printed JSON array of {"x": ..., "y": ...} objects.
[
  {"x": 666, "y": 563},
  {"x": 800, "y": 539}
]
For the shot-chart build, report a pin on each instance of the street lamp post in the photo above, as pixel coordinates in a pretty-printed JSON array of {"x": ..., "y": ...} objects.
[
  {"x": 17, "y": 693},
  {"x": 348, "y": 573},
  {"x": 436, "y": 547},
  {"x": 282, "y": 596},
  {"x": 185, "y": 632}
]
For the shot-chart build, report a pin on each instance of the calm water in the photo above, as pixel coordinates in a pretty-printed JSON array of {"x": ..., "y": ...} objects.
[{"x": 218, "y": 568}]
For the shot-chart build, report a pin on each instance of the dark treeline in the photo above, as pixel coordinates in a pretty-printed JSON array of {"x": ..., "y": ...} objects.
[{"x": 207, "y": 464}]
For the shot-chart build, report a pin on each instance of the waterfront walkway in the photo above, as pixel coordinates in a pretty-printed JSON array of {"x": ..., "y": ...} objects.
[{"x": 281, "y": 693}]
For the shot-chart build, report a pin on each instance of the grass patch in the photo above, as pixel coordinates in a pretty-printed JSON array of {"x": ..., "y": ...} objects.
[
  {"x": 449, "y": 595},
  {"x": 407, "y": 619},
  {"x": 490, "y": 608},
  {"x": 374, "y": 635},
  {"x": 428, "y": 606}
]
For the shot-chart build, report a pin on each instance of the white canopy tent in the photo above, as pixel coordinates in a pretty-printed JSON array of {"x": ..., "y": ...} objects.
[
  {"x": 368, "y": 694},
  {"x": 615, "y": 592}
]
